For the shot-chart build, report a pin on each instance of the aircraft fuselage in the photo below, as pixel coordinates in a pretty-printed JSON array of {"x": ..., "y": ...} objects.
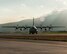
[{"x": 33, "y": 30}]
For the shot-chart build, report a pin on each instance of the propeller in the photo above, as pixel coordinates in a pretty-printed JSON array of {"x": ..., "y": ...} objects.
[
  {"x": 45, "y": 29},
  {"x": 16, "y": 27},
  {"x": 41, "y": 26},
  {"x": 50, "y": 27},
  {"x": 25, "y": 27}
]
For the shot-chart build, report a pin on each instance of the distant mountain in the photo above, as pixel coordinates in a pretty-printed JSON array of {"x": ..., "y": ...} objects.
[{"x": 28, "y": 22}]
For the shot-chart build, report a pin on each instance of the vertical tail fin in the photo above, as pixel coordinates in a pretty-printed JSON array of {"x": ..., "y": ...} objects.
[{"x": 33, "y": 21}]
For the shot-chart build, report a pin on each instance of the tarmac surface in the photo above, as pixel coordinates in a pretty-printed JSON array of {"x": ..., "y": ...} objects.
[
  {"x": 18, "y": 34},
  {"x": 14, "y": 46}
]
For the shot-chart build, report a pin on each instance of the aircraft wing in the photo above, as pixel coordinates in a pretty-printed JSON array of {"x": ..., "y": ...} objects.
[
  {"x": 55, "y": 26},
  {"x": 50, "y": 26},
  {"x": 31, "y": 26},
  {"x": 24, "y": 26},
  {"x": 41, "y": 27},
  {"x": 16, "y": 26}
]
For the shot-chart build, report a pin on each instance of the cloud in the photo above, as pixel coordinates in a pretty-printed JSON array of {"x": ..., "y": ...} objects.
[
  {"x": 65, "y": 3},
  {"x": 23, "y": 5},
  {"x": 41, "y": 6},
  {"x": 13, "y": 11}
]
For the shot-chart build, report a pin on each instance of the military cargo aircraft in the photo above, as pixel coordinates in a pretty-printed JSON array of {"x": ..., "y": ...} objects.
[{"x": 33, "y": 29}]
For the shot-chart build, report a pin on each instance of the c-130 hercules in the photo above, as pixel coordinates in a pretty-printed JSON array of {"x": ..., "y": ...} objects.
[{"x": 33, "y": 29}]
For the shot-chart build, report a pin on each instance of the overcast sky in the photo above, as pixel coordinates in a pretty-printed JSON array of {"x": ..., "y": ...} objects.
[{"x": 16, "y": 10}]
